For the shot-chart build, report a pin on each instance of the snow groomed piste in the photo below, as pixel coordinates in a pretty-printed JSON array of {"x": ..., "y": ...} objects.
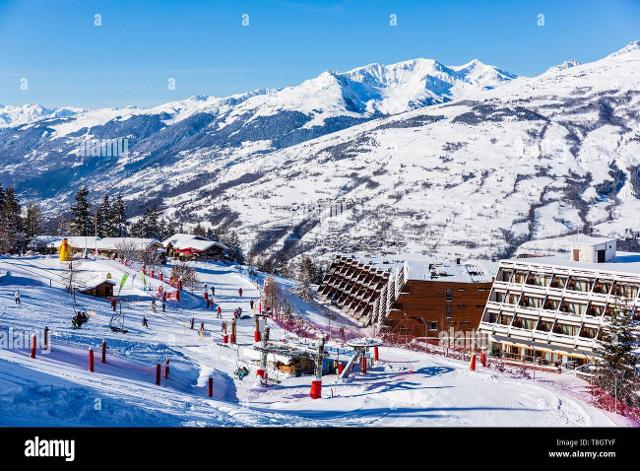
[{"x": 234, "y": 370}]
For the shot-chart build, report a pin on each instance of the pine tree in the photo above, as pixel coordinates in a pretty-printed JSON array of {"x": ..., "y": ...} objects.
[
  {"x": 82, "y": 224},
  {"x": 33, "y": 222},
  {"x": 117, "y": 222},
  {"x": 235, "y": 248},
  {"x": 199, "y": 231},
  {"x": 103, "y": 217},
  {"x": 615, "y": 368},
  {"x": 11, "y": 224},
  {"x": 148, "y": 225},
  {"x": 306, "y": 275}
]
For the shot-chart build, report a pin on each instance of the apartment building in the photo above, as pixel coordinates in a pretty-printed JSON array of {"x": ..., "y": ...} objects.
[{"x": 550, "y": 310}]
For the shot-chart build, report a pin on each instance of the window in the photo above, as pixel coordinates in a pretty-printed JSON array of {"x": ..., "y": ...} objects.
[
  {"x": 503, "y": 319},
  {"x": 504, "y": 275},
  {"x": 531, "y": 301},
  {"x": 595, "y": 309},
  {"x": 551, "y": 304},
  {"x": 544, "y": 326},
  {"x": 498, "y": 296},
  {"x": 448, "y": 310},
  {"x": 433, "y": 325},
  {"x": 573, "y": 308},
  {"x": 588, "y": 332},
  {"x": 512, "y": 298},
  {"x": 490, "y": 317},
  {"x": 448, "y": 295},
  {"x": 582, "y": 285},
  {"x": 558, "y": 281},
  {"x": 566, "y": 329},
  {"x": 625, "y": 290},
  {"x": 602, "y": 286},
  {"x": 520, "y": 276},
  {"x": 524, "y": 323},
  {"x": 536, "y": 279}
]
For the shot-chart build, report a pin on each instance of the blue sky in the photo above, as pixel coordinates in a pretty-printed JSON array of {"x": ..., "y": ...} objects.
[{"x": 129, "y": 59}]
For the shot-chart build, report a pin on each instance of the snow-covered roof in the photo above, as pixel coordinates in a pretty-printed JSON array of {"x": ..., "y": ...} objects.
[
  {"x": 190, "y": 241},
  {"x": 55, "y": 241},
  {"x": 91, "y": 242},
  {"x": 623, "y": 262},
  {"x": 432, "y": 269},
  {"x": 139, "y": 243}
]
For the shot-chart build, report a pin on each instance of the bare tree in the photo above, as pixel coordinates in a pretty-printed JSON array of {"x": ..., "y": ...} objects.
[{"x": 185, "y": 273}]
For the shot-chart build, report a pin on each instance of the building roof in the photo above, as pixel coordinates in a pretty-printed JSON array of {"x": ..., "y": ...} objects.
[
  {"x": 433, "y": 269},
  {"x": 139, "y": 243},
  {"x": 55, "y": 241},
  {"x": 623, "y": 262},
  {"x": 91, "y": 242},
  {"x": 190, "y": 241}
]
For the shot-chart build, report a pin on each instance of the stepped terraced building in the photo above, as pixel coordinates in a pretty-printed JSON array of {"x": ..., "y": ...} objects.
[
  {"x": 550, "y": 309},
  {"x": 409, "y": 297}
]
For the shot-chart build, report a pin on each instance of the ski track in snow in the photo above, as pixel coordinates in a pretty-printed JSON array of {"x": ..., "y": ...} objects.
[{"x": 406, "y": 389}]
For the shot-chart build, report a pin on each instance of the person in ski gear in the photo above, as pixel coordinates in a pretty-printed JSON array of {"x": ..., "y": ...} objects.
[
  {"x": 251, "y": 304},
  {"x": 113, "y": 304},
  {"x": 213, "y": 291},
  {"x": 219, "y": 312},
  {"x": 154, "y": 307},
  {"x": 240, "y": 291},
  {"x": 242, "y": 372},
  {"x": 17, "y": 297},
  {"x": 193, "y": 320},
  {"x": 164, "y": 306},
  {"x": 145, "y": 322},
  {"x": 202, "y": 329}
]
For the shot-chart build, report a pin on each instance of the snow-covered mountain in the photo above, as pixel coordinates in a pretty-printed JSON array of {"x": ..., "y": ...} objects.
[
  {"x": 17, "y": 115},
  {"x": 322, "y": 166},
  {"x": 539, "y": 157}
]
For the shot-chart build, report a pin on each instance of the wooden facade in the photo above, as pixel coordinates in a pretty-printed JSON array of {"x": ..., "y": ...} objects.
[
  {"x": 430, "y": 307},
  {"x": 405, "y": 301},
  {"x": 102, "y": 290}
]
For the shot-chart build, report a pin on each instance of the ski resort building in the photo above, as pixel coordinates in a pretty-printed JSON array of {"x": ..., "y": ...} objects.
[
  {"x": 409, "y": 297},
  {"x": 107, "y": 246},
  {"x": 189, "y": 246},
  {"x": 550, "y": 310}
]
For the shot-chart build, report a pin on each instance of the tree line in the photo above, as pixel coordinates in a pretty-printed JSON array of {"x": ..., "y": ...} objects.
[{"x": 107, "y": 218}]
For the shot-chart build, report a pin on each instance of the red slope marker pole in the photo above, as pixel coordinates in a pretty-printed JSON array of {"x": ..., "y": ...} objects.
[
  {"x": 91, "y": 365},
  {"x": 210, "y": 386},
  {"x": 166, "y": 368},
  {"x": 158, "y": 375},
  {"x": 33, "y": 346},
  {"x": 103, "y": 359}
]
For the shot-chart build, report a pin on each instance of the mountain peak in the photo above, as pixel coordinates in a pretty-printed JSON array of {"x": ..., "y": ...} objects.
[
  {"x": 563, "y": 66},
  {"x": 631, "y": 47}
]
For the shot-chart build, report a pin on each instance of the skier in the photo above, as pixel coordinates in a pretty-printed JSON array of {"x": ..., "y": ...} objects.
[
  {"x": 213, "y": 291},
  {"x": 17, "y": 297},
  {"x": 154, "y": 307},
  {"x": 240, "y": 291},
  {"x": 113, "y": 304},
  {"x": 145, "y": 322},
  {"x": 202, "y": 329},
  {"x": 251, "y": 304},
  {"x": 219, "y": 312},
  {"x": 193, "y": 320},
  {"x": 164, "y": 306}
]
